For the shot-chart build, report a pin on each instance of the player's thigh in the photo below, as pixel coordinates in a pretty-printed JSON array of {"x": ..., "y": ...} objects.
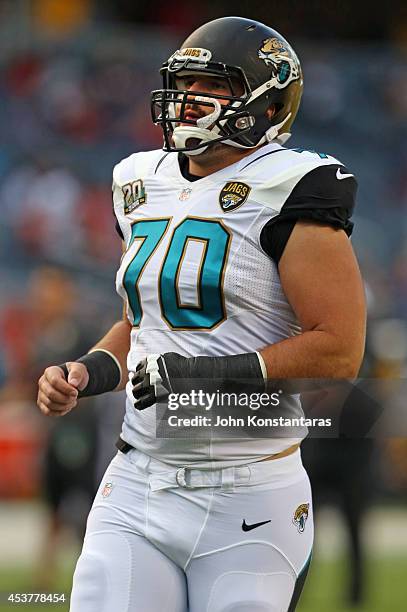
[
  {"x": 119, "y": 569},
  {"x": 124, "y": 571},
  {"x": 247, "y": 578},
  {"x": 253, "y": 553}
]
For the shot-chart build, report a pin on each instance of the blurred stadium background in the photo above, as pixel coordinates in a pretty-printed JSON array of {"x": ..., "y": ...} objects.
[{"x": 75, "y": 78}]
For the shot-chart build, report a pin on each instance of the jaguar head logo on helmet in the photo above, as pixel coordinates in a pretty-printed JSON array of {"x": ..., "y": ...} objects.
[
  {"x": 262, "y": 72},
  {"x": 283, "y": 65}
]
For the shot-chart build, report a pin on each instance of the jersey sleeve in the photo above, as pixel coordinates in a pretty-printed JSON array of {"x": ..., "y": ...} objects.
[
  {"x": 129, "y": 177},
  {"x": 119, "y": 229},
  {"x": 122, "y": 227},
  {"x": 117, "y": 224},
  {"x": 324, "y": 195}
]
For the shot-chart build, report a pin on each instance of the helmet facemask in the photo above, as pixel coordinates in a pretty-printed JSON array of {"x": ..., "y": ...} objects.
[{"x": 169, "y": 107}]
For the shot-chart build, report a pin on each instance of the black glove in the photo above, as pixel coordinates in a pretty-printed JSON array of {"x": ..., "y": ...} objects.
[{"x": 158, "y": 375}]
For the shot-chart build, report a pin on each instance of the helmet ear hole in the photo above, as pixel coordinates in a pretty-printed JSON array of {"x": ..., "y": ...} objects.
[{"x": 273, "y": 110}]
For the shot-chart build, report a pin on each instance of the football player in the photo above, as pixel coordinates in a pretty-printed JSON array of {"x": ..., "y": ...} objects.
[{"x": 237, "y": 265}]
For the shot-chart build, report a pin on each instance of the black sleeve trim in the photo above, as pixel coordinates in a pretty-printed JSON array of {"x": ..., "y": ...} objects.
[
  {"x": 323, "y": 188},
  {"x": 336, "y": 217},
  {"x": 119, "y": 230},
  {"x": 273, "y": 238},
  {"x": 275, "y": 234},
  {"x": 320, "y": 196}
]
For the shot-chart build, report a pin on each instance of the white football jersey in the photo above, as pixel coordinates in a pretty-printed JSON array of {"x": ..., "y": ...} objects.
[{"x": 196, "y": 280}]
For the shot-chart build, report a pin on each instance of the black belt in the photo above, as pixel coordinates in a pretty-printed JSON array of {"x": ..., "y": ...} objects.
[{"x": 123, "y": 446}]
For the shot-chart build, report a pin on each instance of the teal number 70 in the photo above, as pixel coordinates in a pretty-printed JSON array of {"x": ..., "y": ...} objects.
[{"x": 210, "y": 310}]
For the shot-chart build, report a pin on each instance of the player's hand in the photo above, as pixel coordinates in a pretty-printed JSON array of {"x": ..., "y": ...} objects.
[
  {"x": 57, "y": 396},
  {"x": 150, "y": 377},
  {"x": 157, "y": 376}
]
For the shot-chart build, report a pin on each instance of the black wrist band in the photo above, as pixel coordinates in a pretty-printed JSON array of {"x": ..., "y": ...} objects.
[
  {"x": 65, "y": 369},
  {"x": 104, "y": 373}
]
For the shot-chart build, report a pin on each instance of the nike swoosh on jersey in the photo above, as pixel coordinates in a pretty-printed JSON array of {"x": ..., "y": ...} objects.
[
  {"x": 246, "y": 527},
  {"x": 341, "y": 176}
]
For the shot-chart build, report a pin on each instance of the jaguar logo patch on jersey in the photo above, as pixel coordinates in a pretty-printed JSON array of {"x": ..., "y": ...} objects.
[
  {"x": 284, "y": 67},
  {"x": 233, "y": 195},
  {"x": 300, "y": 517},
  {"x": 134, "y": 195}
]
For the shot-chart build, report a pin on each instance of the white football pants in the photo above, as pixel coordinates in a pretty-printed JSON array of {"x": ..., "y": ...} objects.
[{"x": 160, "y": 539}]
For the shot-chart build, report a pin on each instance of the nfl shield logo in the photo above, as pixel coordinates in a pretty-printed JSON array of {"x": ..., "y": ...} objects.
[
  {"x": 107, "y": 489},
  {"x": 185, "y": 193}
]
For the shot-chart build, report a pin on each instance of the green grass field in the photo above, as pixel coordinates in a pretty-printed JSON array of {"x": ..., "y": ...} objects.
[
  {"x": 324, "y": 591},
  {"x": 386, "y": 582}
]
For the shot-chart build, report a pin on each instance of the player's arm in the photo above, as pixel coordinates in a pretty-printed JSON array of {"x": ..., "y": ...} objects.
[
  {"x": 104, "y": 368},
  {"x": 117, "y": 340},
  {"x": 321, "y": 279}
]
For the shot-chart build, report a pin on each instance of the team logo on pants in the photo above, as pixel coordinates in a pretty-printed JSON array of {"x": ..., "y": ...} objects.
[
  {"x": 233, "y": 195},
  {"x": 107, "y": 489},
  {"x": 300, "y": 517}
]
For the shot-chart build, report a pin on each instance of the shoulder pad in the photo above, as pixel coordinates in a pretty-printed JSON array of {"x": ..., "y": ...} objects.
[
  {"x": 136, "y": 166},
  {"x": 328, "y": 186},
  {"x": 277, "y": 174}
]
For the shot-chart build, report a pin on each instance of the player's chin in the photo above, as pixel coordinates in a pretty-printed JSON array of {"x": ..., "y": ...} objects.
[{"x": 193, "y": 143}]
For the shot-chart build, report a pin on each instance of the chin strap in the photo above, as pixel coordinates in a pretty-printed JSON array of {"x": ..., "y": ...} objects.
[
  {"x": 282, "y": 138},
  {"x": 183, "y": 133},
  {"x": 269, "y": 136}
]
